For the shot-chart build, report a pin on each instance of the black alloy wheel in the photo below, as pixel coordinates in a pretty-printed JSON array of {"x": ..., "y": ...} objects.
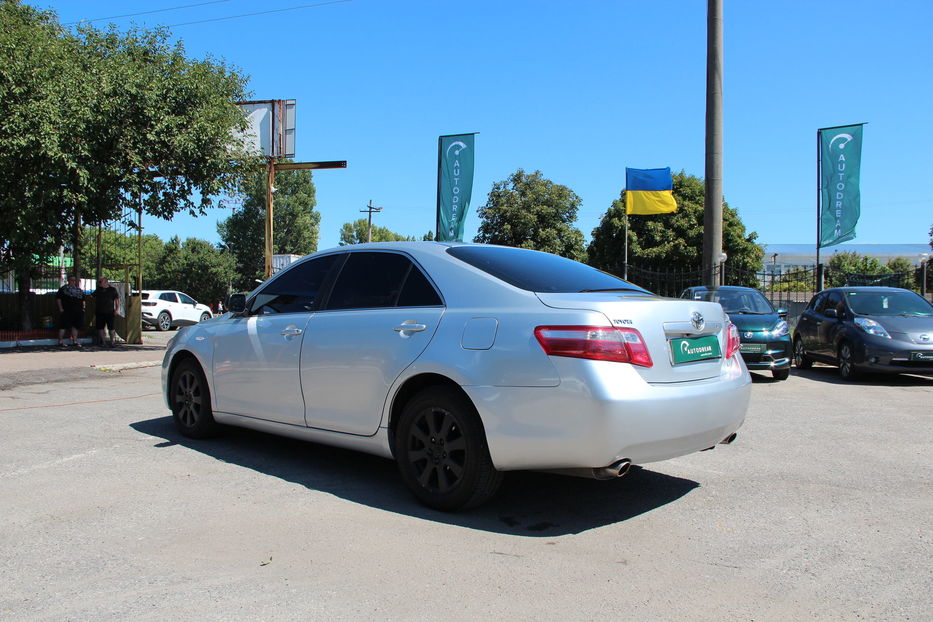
[
  {"x": 847, "y": 368},
  {"x": 164, "y": 321},
  {"x": 442, "y": 453},
  {"x": 191, "y": 401},
  {"x": 801, "y": 360}
]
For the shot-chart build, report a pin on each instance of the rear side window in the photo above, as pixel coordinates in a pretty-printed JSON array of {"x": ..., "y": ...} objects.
[
  {"x": 297, "y": 289},
  {"x": 540, "y": 272},
  {"x": 169, "y": 297},
  {"x": 372, "y": 280}
]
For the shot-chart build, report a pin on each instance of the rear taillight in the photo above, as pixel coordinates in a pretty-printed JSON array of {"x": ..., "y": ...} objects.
[
  {"x": 732, "y": 341},
  {"x": 149, "y": 304},
  {"x": 599, "y": 343}
]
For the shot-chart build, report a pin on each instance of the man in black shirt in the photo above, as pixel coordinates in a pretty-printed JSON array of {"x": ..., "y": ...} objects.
[
  {"x": 70, "y": 303},
  {"x": 106, "y": 302}
]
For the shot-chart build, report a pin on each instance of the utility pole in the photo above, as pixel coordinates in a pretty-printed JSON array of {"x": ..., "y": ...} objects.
[
  {"x": 712, "y": 213},
  {"x": 370, "y": 209}
]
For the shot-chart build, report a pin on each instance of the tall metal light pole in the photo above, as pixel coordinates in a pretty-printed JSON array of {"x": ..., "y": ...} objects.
[{"x": 712, "y": 213}]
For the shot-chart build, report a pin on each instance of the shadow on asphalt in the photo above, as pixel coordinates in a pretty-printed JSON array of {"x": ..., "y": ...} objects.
[{"x": 528, "y": 504}]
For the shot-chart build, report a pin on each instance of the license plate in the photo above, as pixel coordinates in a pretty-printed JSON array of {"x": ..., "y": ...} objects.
[
  {"x": 921, "y": 356},
  {"x": 695, "y": 349},
  {"x": 752, "y": 348}
]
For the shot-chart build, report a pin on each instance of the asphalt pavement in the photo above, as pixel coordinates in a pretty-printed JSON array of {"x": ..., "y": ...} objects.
[{"x": 44, "y": 364}]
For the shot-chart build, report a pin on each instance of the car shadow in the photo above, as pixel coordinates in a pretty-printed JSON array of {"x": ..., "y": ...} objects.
[
  {"x": 830, "y": 374},
  {"x": 528, "y": 504}
]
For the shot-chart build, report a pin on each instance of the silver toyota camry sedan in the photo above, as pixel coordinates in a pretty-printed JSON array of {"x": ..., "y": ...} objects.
[{"x": 461, "y": 362}]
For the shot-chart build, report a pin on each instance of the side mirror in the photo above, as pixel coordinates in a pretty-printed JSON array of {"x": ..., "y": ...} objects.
[
  {"x": 782, "y": 313},
  {"x": 831, "y": 313},
  {"x": 237, "y": 303}
]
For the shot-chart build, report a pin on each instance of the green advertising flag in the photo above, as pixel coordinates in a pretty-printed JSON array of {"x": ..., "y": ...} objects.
[
  {"x": 840, "y": 162},
  {"x": 454, "y": 185}
]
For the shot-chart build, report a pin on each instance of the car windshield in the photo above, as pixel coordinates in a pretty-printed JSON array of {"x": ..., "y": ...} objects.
[
  {"x": 889, "y": 303},
  {"x": 736, "y": 302},
  {"x": 540, "y": 272}
]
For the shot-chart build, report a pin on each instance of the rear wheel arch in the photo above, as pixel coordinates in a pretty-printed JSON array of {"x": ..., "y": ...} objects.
[{"x": 412, "y": 387}]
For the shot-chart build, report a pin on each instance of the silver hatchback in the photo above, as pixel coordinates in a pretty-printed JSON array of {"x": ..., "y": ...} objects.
[{"x": 461, "y": 362}]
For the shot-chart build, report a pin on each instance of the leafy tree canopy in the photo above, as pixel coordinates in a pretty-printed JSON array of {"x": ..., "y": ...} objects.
[
  {"x": 295, "y": 223},
  {"x": 672, "y": 240},
  {"x": 842, "y": 265},
  {"x": 530, "y": 211},
  {"x": 197, "y": 268},
  {"x": 356, "y": 233},
  {"x": 97, "y": 122}
]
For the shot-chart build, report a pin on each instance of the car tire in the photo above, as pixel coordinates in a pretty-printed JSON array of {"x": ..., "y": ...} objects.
[
  {"x": 163, "y": 321},
  {"x": 801, "y": 360},
  {"x": 441, "y": 451},
  {"x": 205, "y": 316},
  {"x": 190, "y": 399},
  {"x": 847, "y": 368},
  {"x": 781, "y": 374}
]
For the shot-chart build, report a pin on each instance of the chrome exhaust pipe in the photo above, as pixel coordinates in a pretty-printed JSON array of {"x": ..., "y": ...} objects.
[
  {"x": 617, "y": 469},
  {"x": 728, "y": 439}
]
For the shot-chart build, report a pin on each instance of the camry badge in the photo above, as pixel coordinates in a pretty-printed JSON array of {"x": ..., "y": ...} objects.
[{"x": 697, "y": 320}]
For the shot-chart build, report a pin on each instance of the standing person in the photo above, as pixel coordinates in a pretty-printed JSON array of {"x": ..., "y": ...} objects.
[
  {"x": 70, "y": 303},
  {"x": 107, "y": 302}
]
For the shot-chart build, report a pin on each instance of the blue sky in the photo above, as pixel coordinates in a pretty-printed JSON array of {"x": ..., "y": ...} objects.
[{"x": 578, "y": 89}]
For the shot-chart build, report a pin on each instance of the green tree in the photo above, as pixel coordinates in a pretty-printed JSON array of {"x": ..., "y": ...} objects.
[
  {"x": 295, "y": 224},
  {"x": 96, "y": 124},
  {"x": 197, "y": 268},
  {"x": 530, "y": 211},
  {"x": 356, "y": 233},
  {"x": 120, "y": 249},
  {"x": 674, "y": 240}
]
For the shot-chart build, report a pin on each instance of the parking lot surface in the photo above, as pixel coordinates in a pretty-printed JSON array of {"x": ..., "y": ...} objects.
[{"x": 821, "y": 510}]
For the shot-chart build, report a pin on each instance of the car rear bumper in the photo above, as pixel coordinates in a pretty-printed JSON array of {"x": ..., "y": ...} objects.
[{"x": 588, "y": 422}]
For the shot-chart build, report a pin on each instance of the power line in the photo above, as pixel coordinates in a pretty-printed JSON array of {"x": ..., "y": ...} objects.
[
  {"x": 174, "y": 8},
  {"x": 294, "y": 8}
]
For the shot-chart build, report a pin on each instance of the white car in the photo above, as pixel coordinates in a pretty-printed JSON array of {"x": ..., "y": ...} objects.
[
  {"x": 165, "y": 309},
  {"x": 463, "y": 361}
]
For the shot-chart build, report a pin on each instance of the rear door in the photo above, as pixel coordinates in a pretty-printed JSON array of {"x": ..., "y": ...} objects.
[{"x": 382, "y": 313}]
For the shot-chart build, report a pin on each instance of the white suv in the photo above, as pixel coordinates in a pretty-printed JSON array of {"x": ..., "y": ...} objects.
[{"x": 165, "y": 309}]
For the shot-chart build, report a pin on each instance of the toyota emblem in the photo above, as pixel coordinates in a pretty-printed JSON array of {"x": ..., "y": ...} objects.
[
  {"x": 748, "y": 335},
  {"x": 925, "y": 338},
  {"x": 697, "y": 320}
]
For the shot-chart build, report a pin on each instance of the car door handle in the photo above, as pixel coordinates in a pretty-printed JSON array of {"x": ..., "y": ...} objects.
[
  {"x": 292, "y": 331},
  {"x": 410, "y": 328}
]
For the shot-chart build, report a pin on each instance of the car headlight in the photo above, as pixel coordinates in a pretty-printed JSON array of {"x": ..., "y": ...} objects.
[
  {"x": 871, "y": 327},
  {"x": 780, "y": 329}
]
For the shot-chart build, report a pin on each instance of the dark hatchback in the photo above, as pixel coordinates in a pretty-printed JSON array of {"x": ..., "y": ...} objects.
[
  {"x": 877, "y": 329},
  {"x": 763, "y": 331}
]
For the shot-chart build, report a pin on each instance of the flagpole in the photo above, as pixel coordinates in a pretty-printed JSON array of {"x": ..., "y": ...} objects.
[
  {"x": 625, "y": 266},
  {"x": 819, "y": 166}
]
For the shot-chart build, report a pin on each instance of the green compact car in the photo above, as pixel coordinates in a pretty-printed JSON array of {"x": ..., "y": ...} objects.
[{"x": 763, "y": 330}]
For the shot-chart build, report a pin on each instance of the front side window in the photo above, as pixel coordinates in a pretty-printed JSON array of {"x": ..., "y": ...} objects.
[
  {"x": 296, "y": 289},
  {"x": 185, "y": 298},
  {"x": 374, "y": 280}
]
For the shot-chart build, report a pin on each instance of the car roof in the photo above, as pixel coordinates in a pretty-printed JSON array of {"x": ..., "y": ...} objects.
[{"x": 866, "y": 288}]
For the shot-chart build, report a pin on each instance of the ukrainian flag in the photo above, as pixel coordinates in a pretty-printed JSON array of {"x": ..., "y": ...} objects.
[{"x": 649, "y": 191}]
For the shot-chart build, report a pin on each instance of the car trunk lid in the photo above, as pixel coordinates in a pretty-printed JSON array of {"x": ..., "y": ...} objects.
[{"x": 687, "y": 339}]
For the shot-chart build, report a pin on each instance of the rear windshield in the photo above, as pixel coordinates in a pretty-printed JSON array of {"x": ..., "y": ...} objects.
[{"x": 540, "y": 272}]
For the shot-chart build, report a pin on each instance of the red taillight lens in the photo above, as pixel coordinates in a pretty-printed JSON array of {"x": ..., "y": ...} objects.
[
  {"x": 599, "y": 343},
  {"x": 149, "y": 304},
  {"x": 732, "y": 341}
]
